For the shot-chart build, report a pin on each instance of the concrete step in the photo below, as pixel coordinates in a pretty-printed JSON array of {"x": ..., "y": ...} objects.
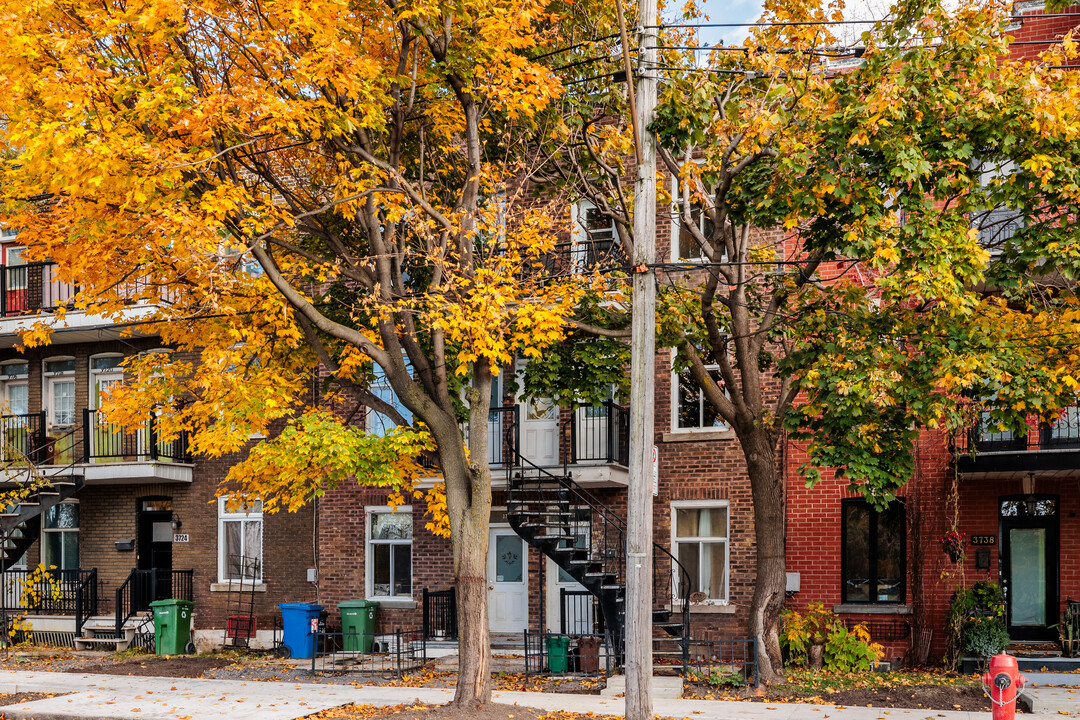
[
  {"x": 663, "y": 686},
  {"x": 103, "y": 643},
  {"x": 1046, "y": 700}
]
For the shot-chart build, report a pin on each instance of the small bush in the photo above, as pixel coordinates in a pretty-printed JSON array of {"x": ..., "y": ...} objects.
[
  {"x": 845, "y": 650},
  {"x": 985, "y": 636},
  {"x": 717, "y": 676}
]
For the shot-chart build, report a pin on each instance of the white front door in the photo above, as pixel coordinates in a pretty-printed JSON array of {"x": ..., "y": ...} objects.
[
  {"x": 508, "y": 581},
  {"x": 540, "y": 432}
]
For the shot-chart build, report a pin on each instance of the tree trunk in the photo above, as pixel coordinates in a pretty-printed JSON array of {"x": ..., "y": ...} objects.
[
  {"x": 470, "y": 544},
  {"x": 767, "y": 488}
]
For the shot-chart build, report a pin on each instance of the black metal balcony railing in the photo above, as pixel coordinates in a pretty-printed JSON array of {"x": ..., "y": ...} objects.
[
  {"x": 22, "y": 438},
  {"x": 33, "y": 287},
  {"x": 105, "y": 441},
  {"x": 57, "y": 592},
  {"x": 600, "y": 433},
  {"x": 1063, "y": 433}
]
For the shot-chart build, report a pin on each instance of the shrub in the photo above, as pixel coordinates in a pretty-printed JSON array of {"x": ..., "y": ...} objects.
[
  {"x": 985, "y": 636},
  {"x": 845, "y": 650}
]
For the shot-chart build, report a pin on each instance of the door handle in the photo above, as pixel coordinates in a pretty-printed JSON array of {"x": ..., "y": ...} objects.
[{"x": 491, "y": 587}]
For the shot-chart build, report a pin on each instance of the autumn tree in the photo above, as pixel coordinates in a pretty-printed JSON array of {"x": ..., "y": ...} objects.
[
  {"x": 872, "y": 245},
  {"x": 282, "y": 186}
]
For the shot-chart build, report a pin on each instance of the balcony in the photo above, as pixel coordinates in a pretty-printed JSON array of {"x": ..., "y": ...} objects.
[
  {"x": 29, "y": 291},
  {"x": 1049, "y": 450},
  {"x": 591, "y": 442},
  {"x": 103, "y": 453}
]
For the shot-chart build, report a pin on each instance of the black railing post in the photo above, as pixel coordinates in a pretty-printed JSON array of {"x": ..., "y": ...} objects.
[
  {"x": 153, "y": 437},
  {"x": 88, "y": 451},
  {"x": 573, "y": 434},
  {"x": 517, "y": 436},
  {"x": 610, "y": 405},
  {"x": 40, "y": 450},
  {"x": 4, "y": 309}
]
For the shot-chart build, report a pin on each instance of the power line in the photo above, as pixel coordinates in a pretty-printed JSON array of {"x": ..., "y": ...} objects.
[{"x": 804, "y": 23}]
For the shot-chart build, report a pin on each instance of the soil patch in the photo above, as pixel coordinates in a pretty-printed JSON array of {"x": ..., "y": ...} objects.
[
  {"x": 16, "y": 698},
  {"x": 916, "y": 697},
  {"x": 153, "y": 666},
  {"x": 491, "y": 711}
]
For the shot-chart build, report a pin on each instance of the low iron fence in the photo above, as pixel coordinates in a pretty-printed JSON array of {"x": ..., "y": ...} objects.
[
  {"x": 393, "y": 654},
  {"x": 557, "y": 654},
  {"x": 723, "y": 662},
  {"x": 440, "y": 614}
]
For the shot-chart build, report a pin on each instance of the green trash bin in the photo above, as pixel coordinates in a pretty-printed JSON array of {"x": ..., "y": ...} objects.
[
  {"x": 558, "y": 652},
  {"x": 358, "y": 624},
  {"x": 172, "y": 626}
]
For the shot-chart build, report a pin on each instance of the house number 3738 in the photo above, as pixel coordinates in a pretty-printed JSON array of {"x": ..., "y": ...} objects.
[{"x": 984, "y": 539}]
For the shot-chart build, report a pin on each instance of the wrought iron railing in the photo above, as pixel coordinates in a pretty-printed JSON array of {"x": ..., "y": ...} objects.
[
  {"x": 440, "y": 614},
  {"x": 32, "y": 287},
  {"x": 22, "y": 438},
  {"x": 600, "y": 433},
  {"x": 1063, "y": 433},
  {"x": 55, "y": 592},
  {"x": 143, "y": 587},
  {"x": 105, "y": 441}
]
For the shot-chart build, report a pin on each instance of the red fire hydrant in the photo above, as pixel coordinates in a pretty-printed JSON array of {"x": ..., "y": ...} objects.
[{"x": 1003, "y": 683}]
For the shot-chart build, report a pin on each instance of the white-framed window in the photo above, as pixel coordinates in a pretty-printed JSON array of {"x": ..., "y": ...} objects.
[
  {"x": 683, "y": 246},
  {"x": 16, "y": 393},
  {"x": 60, "y": 536},
  {"x": 377, "y": 423},
  {"x": 240, "y": 546},
  {"x": 594, "y": 240},
  {"x": 105, "y": 372},
  {"x": 699, "y": 539},
  {"x": 59, "y": 390},
  {"x": 690, "y": 409},
  {"x": 389, "y": 552}
]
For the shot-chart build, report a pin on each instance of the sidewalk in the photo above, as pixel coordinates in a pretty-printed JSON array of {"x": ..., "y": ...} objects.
[{"x": 123, "y": 697}]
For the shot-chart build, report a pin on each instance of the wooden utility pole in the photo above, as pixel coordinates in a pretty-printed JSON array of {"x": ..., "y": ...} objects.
[{"x": 639, "y": 578}]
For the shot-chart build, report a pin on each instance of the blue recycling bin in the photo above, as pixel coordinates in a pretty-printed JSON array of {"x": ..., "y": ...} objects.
[{"x": 299, "y": 622}]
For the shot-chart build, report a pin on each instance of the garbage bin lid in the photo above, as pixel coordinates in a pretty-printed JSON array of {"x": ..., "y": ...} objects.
[
  {"x": 300, "y": 606},
  {"x": 357, "y": 604},
  {"x": 171, "y": 602}
]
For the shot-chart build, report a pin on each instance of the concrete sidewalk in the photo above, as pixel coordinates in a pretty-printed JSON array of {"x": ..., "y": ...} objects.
[{"x": 112, "y": 697}]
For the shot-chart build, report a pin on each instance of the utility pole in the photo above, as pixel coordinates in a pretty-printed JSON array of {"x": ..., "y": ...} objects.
[{"x": 639, "y": 537}]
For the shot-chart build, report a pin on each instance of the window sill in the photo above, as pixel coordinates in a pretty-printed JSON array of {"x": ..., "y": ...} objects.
[
  {"x": 230, "y": 587},
  {"x": 698, "y": 435},
  {"x": 712, "y": 609},
  {"x": 394, "y": 603},
  {"x": 873, "y": 609}
]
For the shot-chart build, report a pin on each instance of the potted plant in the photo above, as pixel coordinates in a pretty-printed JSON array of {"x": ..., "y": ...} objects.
[
  {"x": 1068, "y": 631},
  {"x": 952, "y": 543}
]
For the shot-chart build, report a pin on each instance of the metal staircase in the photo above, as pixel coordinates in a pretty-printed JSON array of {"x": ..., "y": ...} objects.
[
  {"x": 548, "y": 510},
  {"x": 31, "y": 487}
]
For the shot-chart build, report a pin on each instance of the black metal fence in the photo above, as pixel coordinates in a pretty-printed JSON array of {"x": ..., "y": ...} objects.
[
  {"x": 32, "y": 287},
  {"x": 557, "y": 654},
  {"x": 392, "y": 654},
  {"x": 440, "y": 614},
  {"x": 143, "y": 587},
  {"x": 1064, "y": 432},
  {"x": 600, "y": 433},
  {"x": 723, "y": 662},
  {"x": 22, "y": 438},
  {"x": 56, "y": 592},
  {"x": 105, "y": 441},
  {"x": 579, "y": 613}
]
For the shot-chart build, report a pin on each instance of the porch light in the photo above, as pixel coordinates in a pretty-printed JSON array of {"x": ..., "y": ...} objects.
[{"x": 177, "y": 523}]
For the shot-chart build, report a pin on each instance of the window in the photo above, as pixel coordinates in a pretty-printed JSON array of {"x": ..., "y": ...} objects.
[
  {"x": 377, "y": 423},
  {"x": 389, "y": 561},
  {"x": 996, "y": 224},
  {"x": 60, "y": 391},
  {"x": 874, "y": 562},
  {"x": 699, "y": 536},
  {"x": 240, "y": 533},
  {"x": 595, "y": 239},
  {"x": 691, "y": 410},
  {"x": 61, "y": 536},
  {"x": 15, "y": 392},
  {"x": 684, "y": 247}
]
